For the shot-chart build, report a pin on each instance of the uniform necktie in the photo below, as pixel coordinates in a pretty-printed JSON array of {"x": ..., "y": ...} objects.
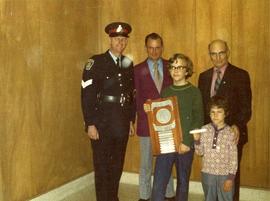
[
  {"x": 118, "y": 62},
  {"x": 157, "y": 77},
  {"x": 218, "y": 81}
]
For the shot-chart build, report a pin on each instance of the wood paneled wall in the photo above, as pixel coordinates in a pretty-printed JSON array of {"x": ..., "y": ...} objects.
[{"x": 44, "y": 44}]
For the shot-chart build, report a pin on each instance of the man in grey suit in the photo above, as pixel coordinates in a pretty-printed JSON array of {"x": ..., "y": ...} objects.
[{"x": 233, "y": 83}]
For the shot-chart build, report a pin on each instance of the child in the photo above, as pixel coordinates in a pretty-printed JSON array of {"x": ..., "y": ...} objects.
[
  {"x": 191, "y": 110},
  {"x": 219, "y": 153}
]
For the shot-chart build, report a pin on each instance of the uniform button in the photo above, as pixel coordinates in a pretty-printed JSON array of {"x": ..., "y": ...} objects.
[
  {"x": 107, "y": 77},
  {"x": 120, "y": 85},
  {"x": 119, "y": 74}
]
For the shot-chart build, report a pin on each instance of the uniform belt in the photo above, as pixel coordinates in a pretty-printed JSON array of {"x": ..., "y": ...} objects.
[{"x": 114, "y": 99}]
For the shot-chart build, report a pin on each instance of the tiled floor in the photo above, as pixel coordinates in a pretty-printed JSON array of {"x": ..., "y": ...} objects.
[{"x": 128, "y": 192}]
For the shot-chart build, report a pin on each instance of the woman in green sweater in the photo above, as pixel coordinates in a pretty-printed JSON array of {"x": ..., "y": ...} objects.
[{"x": 191, "y": 110}]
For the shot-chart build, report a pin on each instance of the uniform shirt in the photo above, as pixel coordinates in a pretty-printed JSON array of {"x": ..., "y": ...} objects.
[
  {"x": 115, "y": 58},
  {"x": 222, "y": 158}
]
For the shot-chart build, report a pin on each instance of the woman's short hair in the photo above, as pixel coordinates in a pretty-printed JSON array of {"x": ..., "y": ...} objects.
[{"x": 189, "y": 67}]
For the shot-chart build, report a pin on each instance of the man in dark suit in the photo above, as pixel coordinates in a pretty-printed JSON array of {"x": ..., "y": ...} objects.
[
  {"x": 108, "y": 110},
  {"x": 233, "y": 83},
  {"x": 147, "y": 87}
]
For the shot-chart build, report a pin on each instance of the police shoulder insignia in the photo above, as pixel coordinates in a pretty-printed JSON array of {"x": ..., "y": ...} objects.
[{"x": 89, "y": 64}]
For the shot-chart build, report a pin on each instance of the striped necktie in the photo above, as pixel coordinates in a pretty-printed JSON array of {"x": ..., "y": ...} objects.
[{"x": 218, "y": 81}]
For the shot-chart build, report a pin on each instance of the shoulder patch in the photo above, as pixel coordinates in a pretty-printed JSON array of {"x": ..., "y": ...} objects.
[{"x": 89, "y": 64}]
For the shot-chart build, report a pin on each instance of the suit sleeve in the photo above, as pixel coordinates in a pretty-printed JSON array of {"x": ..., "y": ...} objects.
[
  {"x": 201, "y": 84},
  {"x": 245, "y": 96},
  {"x": 133, "y": 89},
  {"x": 204, "y": 94},
  {"x": 89, "y": 91},
  {"x": 139, "y": 100}
]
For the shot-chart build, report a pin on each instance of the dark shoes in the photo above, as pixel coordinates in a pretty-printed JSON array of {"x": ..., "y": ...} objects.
[
  {"x": 166, "y": 199},
  {"x": 170, "y": 199}
]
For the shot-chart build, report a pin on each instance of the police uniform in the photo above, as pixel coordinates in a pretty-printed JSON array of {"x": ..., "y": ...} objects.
[{"x": 108, "y": 104}]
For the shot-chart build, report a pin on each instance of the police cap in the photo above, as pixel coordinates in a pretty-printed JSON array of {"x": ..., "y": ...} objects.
[{"x": 118, "y": 29}]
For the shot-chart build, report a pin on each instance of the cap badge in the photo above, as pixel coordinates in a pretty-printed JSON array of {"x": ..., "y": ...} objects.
[{"x": 119, "y": 28}]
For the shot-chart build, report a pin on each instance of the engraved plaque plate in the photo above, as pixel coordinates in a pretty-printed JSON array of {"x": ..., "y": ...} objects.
[{"x": 164, "y": 125}]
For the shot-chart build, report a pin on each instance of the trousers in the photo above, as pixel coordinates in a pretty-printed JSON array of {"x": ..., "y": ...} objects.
[
  {"x": 163, "y": 170},
  {"x": 145, "y": 183},
  {"x": 108, "y": 157}
]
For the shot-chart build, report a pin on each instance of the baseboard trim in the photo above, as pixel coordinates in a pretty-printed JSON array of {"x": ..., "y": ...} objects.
[{"x": 70, "y": 188}]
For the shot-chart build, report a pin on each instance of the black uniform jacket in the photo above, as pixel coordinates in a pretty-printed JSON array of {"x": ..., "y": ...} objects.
[
  {"x": 107, "y": 96},
  {"x": 235, "y": 86}
]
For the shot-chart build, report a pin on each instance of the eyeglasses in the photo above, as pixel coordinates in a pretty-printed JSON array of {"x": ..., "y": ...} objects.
[
  {"x": 215, "y": 54},
  {"x": 178, "y": 67}
]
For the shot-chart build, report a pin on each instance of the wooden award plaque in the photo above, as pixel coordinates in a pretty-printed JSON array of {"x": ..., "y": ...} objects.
[{"x": 164, "y": 125}]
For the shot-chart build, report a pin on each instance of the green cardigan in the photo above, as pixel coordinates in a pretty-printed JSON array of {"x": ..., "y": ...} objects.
[{"x": 190, "y": 108}]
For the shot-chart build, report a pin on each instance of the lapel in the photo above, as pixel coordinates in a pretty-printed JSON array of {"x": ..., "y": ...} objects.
[
  {"x": 147, "y": 72},
  {"x": 208, "y": 81},
  {"x": 149, "y": 77},
  {"x": 165, "y": 73},
  {"x": 225, "y": 79}
]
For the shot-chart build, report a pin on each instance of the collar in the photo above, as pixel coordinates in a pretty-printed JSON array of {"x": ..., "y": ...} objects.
[
  {"x": 151, "y": 62},
  {"x": 221, "y": 69},
  {"x": 114, "y": 57},
  {"x": 216, "y": 129}
]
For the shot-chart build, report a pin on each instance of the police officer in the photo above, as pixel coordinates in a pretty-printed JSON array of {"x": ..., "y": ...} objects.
[{"x": 108, "y": 109}]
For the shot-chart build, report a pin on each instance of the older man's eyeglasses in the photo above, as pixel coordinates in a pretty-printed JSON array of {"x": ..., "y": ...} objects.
[
  {"x": 178, "y": 67},
  {"x": 220, "y": 54}
]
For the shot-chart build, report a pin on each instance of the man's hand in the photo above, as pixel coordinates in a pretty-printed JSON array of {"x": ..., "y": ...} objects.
[
  {"x": 236, "y": 133},
  {"x": 227, "y": 186},
  {"x": 92, "y": 132},
  {"x": 131, "y": 129}
]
